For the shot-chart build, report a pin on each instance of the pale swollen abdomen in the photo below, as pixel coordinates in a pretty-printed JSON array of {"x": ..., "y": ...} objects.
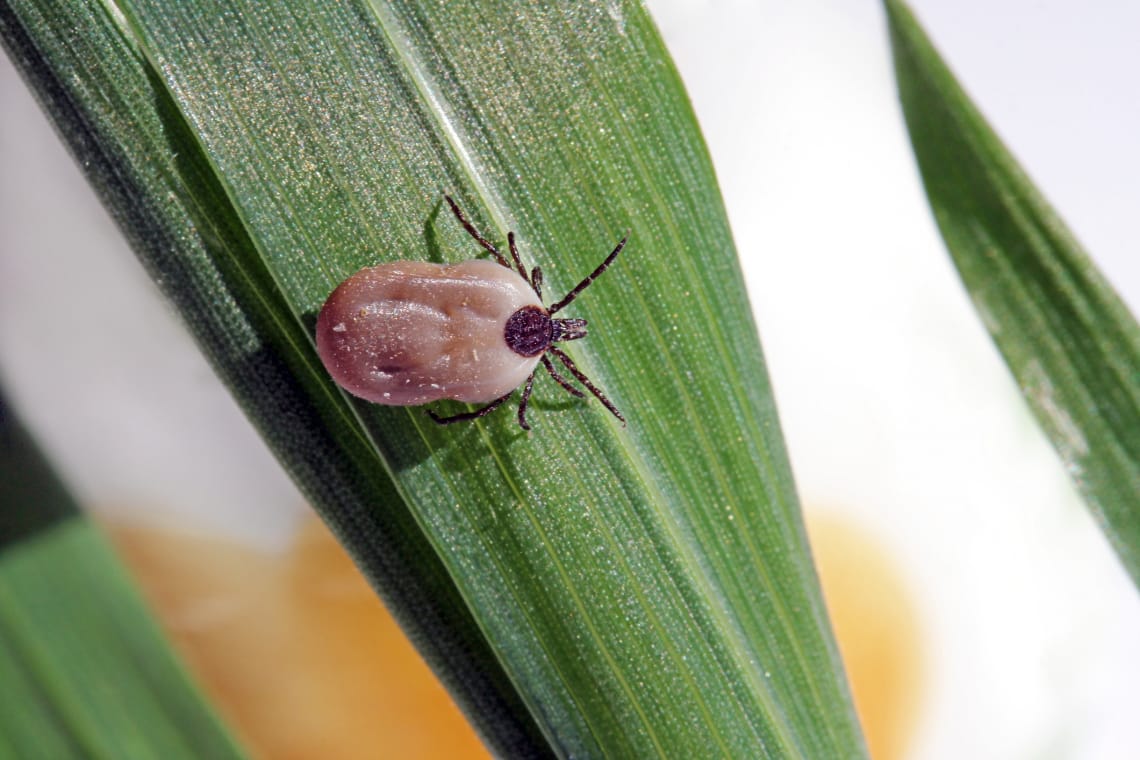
[{"x": 409, "y": 332}]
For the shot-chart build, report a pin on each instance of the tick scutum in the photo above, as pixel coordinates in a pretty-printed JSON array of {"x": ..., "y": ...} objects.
[{"x": 529, "y": 331}]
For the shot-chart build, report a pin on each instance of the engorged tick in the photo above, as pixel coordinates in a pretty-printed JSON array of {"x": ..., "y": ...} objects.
[{"x": 407, "y": 333}]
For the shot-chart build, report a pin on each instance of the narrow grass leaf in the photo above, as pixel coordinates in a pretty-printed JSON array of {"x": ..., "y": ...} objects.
[{"x": 1068, "y": 339}]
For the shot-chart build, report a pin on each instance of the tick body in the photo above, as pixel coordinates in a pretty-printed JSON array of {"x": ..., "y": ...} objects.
[{"x": 407, "y": 333}]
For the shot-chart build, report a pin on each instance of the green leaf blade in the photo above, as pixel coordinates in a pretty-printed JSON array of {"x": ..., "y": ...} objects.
[
  {"x": 648, "y": 590},
  {"x": 1068, "y": 339}
]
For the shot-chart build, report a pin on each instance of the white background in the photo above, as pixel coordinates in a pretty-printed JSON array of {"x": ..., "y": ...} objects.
[{"x": 897, "y": 409}]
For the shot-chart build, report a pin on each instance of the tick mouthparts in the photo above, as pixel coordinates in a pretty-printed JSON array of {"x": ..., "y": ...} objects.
[{"x": 569, "y": 329}]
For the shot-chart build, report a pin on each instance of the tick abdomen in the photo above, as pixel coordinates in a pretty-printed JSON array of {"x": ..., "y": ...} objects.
[{"x": 407, "y": 332}]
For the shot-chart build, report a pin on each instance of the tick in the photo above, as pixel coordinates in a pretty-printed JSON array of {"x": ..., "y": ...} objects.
[{"x": 407, "y": 333}]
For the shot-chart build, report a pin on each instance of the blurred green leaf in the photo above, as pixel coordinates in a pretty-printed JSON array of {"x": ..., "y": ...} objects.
[
  {"x": 1066, "y": 336},
  {"x": 84, "y": 672},
  {"x": 644, "y": 591}
]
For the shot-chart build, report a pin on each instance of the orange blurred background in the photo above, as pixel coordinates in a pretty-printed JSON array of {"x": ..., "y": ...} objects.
[{"x": 354, "y": 684}]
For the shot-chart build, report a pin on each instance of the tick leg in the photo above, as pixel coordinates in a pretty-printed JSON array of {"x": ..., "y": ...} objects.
[
  {"x": 593, "y": 276},
  {"x": 515, "y": 256},
  {"x": 561, "y": 380},
  {"x": 577, "y": 373},
  {"x": 525, "y": 400},
  {"x": 470, "y": 415},
  {"x": 536, "y": 281},
  {"x": 475, "y": 233}
]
